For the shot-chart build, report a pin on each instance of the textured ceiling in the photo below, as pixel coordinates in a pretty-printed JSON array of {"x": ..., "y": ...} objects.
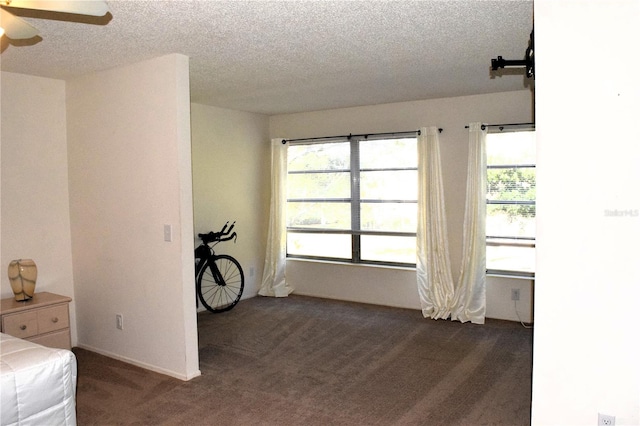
[{"x": 276, "y": 57}]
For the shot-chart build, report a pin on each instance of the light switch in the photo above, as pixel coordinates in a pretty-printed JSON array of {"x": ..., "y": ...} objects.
[{"x": 168, "y": 234}]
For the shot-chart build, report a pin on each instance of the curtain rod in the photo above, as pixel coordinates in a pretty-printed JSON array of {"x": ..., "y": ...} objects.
[
  {"x": 503, "y": 126},
  {"x": 349, "y": 136}
]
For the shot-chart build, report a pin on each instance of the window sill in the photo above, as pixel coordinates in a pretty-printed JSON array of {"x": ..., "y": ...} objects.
[
  {"x": 493, "y": 274},
  {"x": 497, "y": 274},
  {"x": 350, "y": 264}
]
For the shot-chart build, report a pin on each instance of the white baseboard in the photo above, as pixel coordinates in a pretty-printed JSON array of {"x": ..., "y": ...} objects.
[{"x": 142, "y": 364}]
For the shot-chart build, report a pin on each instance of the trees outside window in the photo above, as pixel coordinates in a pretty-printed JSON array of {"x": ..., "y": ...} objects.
[{"x": 511, "y": 202}]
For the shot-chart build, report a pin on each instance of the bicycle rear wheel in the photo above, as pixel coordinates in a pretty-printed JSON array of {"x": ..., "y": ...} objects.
[{"x": 220, "y": 283}]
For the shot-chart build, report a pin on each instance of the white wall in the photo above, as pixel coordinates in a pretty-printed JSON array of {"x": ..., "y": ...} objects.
[
  {"x": 129, "y": 175},
  {"x": 586, "y": 348},
  {"x": 35, "y": 196},
  {"x": 398, "y": 287},
  {"x": 231, "y": 166}
]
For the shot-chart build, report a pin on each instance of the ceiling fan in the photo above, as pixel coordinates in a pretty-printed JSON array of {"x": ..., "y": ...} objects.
[{"x": 18, "y": 29}]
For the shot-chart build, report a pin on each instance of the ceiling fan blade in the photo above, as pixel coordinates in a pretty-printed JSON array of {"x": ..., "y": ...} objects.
[
  {"x": 79, "y": 7},
  {"x": 15, "y": 28}
]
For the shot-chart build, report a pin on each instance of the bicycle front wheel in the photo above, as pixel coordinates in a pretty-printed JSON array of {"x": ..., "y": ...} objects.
[{"x": 220, "y": 283}]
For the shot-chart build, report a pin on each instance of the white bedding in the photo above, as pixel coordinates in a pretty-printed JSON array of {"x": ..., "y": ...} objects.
[{"x": 37, "y": 384}]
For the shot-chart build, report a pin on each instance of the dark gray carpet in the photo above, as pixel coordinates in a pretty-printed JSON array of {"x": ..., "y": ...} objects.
[{"x": 307, "y": 361}]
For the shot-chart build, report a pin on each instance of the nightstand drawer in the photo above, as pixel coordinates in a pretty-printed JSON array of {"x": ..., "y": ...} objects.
[
  {"x": 44, "y": 319},
  {"x": 59, "y": 339},
  {"x": 53, "y": 318},
  {"x": 21, "y": 325}
]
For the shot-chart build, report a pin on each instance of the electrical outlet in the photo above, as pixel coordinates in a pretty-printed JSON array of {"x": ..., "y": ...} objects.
[
  {"x": 119, "y": 323},
  {"x": 606, "y": 420},
  {"x": 515, "y": 294}
]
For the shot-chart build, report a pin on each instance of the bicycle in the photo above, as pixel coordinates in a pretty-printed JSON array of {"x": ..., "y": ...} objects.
[{"x": 219, "y": 277}]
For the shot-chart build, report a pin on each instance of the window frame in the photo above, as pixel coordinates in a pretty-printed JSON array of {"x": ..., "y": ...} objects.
[
  {"x": 514, "y": 241},
  {"x": 355, "y": 200}
]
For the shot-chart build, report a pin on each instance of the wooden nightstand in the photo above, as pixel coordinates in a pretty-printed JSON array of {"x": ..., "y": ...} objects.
[{"x": 43, "y": 319}]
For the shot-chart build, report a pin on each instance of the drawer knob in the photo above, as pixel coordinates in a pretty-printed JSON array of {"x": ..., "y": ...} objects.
[
  {"x": 23, "y": 327},
  {"x": 54, "y": 320}
]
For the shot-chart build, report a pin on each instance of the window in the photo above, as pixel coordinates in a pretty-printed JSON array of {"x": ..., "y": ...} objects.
[
  {"x": 353, "y": 200},
  {"x": 511, "y": 202}
]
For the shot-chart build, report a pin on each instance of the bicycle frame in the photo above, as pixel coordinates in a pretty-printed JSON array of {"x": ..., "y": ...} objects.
[
  {"x": 201, "y": 254},
  {"x": 205, "y": 252},
  {"x": 210, "y": 255}
]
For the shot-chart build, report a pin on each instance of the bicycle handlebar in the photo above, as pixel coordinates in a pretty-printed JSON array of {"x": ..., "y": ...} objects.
[{"x": 224, "y": 234}]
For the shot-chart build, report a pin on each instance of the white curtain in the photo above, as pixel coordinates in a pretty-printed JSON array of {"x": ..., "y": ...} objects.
[
  {"x": 274, "y": 282},
  {"x": 435, "y": 283},
  {"x": 470, "y": 297}
]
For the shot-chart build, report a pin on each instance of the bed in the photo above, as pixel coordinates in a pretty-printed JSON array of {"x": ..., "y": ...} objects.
[{"x": 37, "y": 384}]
